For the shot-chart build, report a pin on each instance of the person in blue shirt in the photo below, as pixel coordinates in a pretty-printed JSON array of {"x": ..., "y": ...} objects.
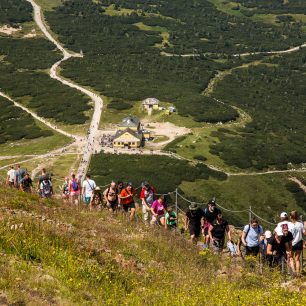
[{"x": 251, "y": 237}]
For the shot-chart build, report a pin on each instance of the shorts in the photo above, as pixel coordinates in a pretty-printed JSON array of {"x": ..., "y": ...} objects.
[
  {"x": 194, "y": 230},
  {"x": 298, "y": 246},
  {"x": 127, "y": 207},
  {"x": 218, "y": 244},
  {"x": 112, "y": 204},
  {"x": 206, "y": 231},
  {"x": 11, "y": 184},
  {"x": 87, "y": 200},
  {"x": 252, "y": 251}
]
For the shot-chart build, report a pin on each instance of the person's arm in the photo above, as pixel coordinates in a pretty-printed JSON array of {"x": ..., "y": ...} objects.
[
  {"x": 243, "y": 238},
  {"x": 105, "y": 195},
  {"x": 269, "y": 250},
  {"x": 186, "y": 223},
  {"x": 228, "y": 233},
  {"x": 21, "y": 186},
  {"x": 239, "y": 246}
]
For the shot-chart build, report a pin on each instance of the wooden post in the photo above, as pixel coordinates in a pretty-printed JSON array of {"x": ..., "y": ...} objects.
[{"x": 176, "y": 207}]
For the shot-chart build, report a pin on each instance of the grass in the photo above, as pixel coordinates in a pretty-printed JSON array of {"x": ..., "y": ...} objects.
[
  {"x": 40, "y": 145},
  {"x": 73, "y": 258},
  {"x": 49, "y": 5}
]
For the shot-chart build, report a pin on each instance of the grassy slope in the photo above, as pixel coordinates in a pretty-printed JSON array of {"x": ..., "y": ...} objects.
[{"x": 90, "y": 258}]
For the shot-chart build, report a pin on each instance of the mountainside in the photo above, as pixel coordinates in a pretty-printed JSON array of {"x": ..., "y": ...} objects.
[{"x": 53, "y": 254}]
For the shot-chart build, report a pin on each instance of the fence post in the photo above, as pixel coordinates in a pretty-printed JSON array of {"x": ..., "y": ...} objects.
[
  {"x": 250, "y": 214},
  {"x": 176, "y": 207}
]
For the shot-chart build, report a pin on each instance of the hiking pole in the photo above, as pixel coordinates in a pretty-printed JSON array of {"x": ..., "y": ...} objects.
[
  {"x": 250, "y": 214},
  {"x": 176, "y": 210}
]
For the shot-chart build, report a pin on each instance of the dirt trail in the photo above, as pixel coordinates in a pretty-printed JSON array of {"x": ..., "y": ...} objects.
[
  {"x": 98, "y": 102},
  {"x": 296, "y": 180}
]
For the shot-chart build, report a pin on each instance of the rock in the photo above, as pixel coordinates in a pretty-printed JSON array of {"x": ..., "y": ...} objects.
[{"x": 47, "y": 277}]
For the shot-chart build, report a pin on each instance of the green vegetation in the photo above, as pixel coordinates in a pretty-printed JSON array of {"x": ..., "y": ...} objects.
[
  {"x": 16, "y": 124},
  {"x": 268, "y": 195},
  {"x": 261, "y": 90},
  {"x": 13, "y": 12},
  {"x": 77, "y": 258},
  {"x": 170, "y": 171}
]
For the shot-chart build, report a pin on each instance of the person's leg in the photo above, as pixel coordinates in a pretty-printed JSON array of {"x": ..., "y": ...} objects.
[
  {"x": 145, "y": 213},
  {"x": 162, "y": 221},
  {"x": 132, "y": 215},
  {"x": 297, "y": 255}
]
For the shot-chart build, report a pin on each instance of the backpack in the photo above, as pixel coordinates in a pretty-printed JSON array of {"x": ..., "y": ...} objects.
[
  {"x": 65, "y": 189},
  {"x": 46, "y": 187},
  {"x": 75, "y": 185}
]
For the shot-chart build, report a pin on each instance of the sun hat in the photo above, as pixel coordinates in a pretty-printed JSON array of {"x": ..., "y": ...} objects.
[
  {"x": 283, "y": 215},
  {"x": 193, "y": 206},
  {"x": 268, "y": 234},
  {"x": 97, "y": 188},
  {"x": 279, "y": 231}
]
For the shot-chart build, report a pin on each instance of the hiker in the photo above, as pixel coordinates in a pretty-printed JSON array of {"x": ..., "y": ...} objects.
[
  {"x": 193, "y": 221},
  {"x": 120, "y": 187},
  {"x": 251, "y": 237},
  {"x": 10, "y": 180},
  {"x": 127, "y": 200},
  {"x": 89, "y": 186},
  {"x": 210, "y": 214},
  {"x": 111, "y": 196},
  {"x": 263, "y": 244},
  {"x": 96, "y": 200},
  {"x": 74, "y": 189},
  {"x": 19, "y": 175},
  {"x": 26, "y": 183},
  {"x": 46, "y": 189},
  {"x": 171, "y": 219},
  {"x": 65, "y": 189},
  {"x": 297, "y": 242},
  {"x": 147, "y": 196},
  {"x": 280, "y": 245},
  {"x": 217, "y": 232},
  {"x": 284, "y": 220},
  {"x": 41, "y": 178},
  {"x": 158, "y": 210}
]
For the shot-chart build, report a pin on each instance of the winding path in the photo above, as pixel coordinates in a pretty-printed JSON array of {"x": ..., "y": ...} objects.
[{"x": 98, "y": 102}]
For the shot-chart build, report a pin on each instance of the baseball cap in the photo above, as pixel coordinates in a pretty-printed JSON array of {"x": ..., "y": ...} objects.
[
  {"x": 129, "y": 184},
  {"x": 212, "y": 202},
  {"x": 283, "y": 215}
]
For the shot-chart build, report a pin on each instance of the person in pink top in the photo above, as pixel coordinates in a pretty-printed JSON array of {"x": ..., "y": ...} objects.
[
  {"x": 74, "y": 189},
  {"x": 158, "y": 210}
]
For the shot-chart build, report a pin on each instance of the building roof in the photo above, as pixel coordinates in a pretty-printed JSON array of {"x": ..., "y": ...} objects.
[
  {"x": 130, "y": 121},
  {"x": 150, "y": 101},
  {"x": 133, "y": 133}
]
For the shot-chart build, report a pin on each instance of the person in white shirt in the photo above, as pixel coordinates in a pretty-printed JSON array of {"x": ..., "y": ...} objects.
[
  {"x": 10, "y": 177},
  {"x": 297, "y": 242},
  {"x": 89, "y": 186},
  {"x": 284, "y": 220}
]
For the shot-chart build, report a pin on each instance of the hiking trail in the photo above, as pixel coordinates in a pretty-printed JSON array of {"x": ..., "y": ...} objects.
[{"x": 98, "y": 102}]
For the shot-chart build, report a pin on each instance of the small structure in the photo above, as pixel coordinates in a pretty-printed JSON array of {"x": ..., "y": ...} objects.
[
  {"x": 150, "y": 103},
  {"x": 146, "y": 134},
  {"x": 130, "y": 122},
  {"x": 127, "y": 138}
]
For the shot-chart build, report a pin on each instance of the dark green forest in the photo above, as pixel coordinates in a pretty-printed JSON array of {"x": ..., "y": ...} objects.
[
  {"x": 275, "y": 97},
  {"x": 15, "y": 124},
  {"x": 164, "y": 172},
  {"x": 274, "y": 6},
  {"x": 13, "y": 12}
]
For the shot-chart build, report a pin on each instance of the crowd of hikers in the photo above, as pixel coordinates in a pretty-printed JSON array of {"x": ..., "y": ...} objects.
[{"x": 284, "y": 243}]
